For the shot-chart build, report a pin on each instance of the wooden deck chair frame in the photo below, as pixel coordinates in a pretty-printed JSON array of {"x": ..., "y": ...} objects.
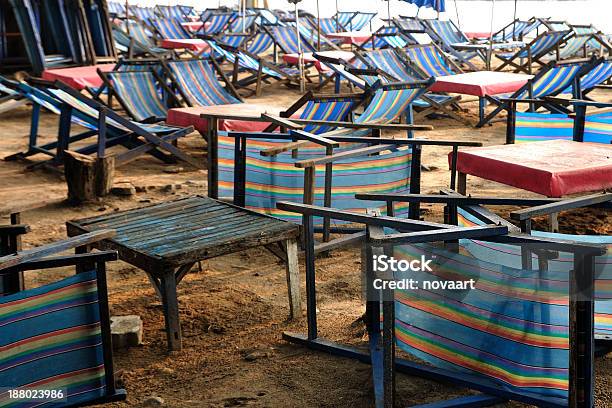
[
  {"x": 527, "y": 67},
  {"x": 47, "y": 257},
  {"x": 382, "y": 354},
  {"x": 138, "y": 140},
  {"x": 229, "y": 86},
  {"x": 502, "y": 104},
  {"x": 511, "y": 26},
  {"x": 113, "y": 92}
]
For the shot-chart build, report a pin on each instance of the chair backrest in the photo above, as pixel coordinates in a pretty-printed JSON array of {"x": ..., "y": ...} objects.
[
  {"x": 386, "y": 37},
  {"x": 344, "y": 18},
  {"x": 542, "y": 44},
  {"x": 286, "y": 38},
  {"x": 327, "y": 109},
  {"x": 508, "y": 256},
  {"x": 534, "y": 127},
  {"x": 145, "y": 14},
  {"x": 597, "y": 76},
  {"x": 598, "y": 128},
  {"x": 391, "y": 101},
  {"x": 328, "y": 25},
  {"x": 389, "y": 62},
  {"x": 215, "y": 23},
  {"x": 139, "y": 94},
  {"x": 573, "y": 46},
  {"x": 198, "y": 83},
  {"x": 275, "y": 178},
  {"x": 176, "y": 12},
  {"x": 58, "y": 335},
  {"x": 446, "y": 31},
  {"x": 428, "y": 59},
  {"x": 170, "y": 29},
  {"x": 360, "y": 20},
  {"x": 552, "y": 80},
  {"x": 140, "y": 34},
  {"x": 232, "y": 40},
  {"x": 243, "y": 23},
  {"x": 511, "y": 328},
  {"x": 410, "y": 24},
  {"x": 512, "y": 31}
]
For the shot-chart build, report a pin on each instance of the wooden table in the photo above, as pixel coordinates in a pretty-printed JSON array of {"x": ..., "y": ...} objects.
[
  {"x": 167, "y": 239},
  {"x": 210, "y": 120},
  {"x": 552, "y": 168},
  {"x": 481, "y": 84}
]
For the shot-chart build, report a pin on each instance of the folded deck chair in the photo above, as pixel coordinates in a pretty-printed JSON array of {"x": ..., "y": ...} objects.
[
  {"x": 552, "y": 79},
  {"x": 446, "y": 33},
  {"x": 429, "y": 60},
  {"x": 110, "y": 129},
  {"x": 594, "y": 126},
  {"x": 259, "y": 69},
  {"x": 57, "y": 336},
  {"x": 144, "y": 95},
  {"x": 197, "y": 84},
  {"x": 390, "y": 62},
  {"x": 523, "y": 59}
]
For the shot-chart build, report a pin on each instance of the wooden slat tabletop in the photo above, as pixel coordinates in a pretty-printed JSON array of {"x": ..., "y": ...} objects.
[{"x": 189, "y": 229}]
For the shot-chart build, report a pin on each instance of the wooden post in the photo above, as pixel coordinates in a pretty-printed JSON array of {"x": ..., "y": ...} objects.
[
  {"x": 171, "y": 309},
  {"x": 293, "y": 279},
  {"x": 87, "y": 177}
]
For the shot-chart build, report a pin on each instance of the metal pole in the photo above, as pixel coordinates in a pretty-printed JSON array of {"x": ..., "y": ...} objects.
[
  {"x": 318, "y": 27},
  {"x": 457, "y": 14},
  {"x": 300, "y": 55},
  {"x": 127, "y": 16},
  {"x": 389, "y": 12},
  {"x": 490, "y": 54},
  {"x": 243, "y": 15},
  {"x": 514, "y": 22}
]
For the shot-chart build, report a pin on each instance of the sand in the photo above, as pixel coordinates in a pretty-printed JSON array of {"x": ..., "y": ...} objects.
[{"x": 236, "y": 305}]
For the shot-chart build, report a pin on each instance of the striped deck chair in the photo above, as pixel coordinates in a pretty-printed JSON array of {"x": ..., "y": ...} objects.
[
  {"x": 344, "y": 18},
  {"x": 329, "y": 25},
  {"x": 116, "y": 9},
  {"x": 523, "y": 59},
  {"x": 445, "y": 33},
  {"x": 145, "y": 14},
  {"x": 516, "y": 30},
  {"x": 275, "y": 178},
  {"x": 57, "y": 336},
  {"x": 358, "y": 21},
  {"x": 142, "y": 94},
  {"x": 169, "y": 29},
  {"x": 72, "y": 106},
  {"x": 286, "y": 39},
  {"x": 552, "y": 25},
  {"x": 241, "y": 24},
  {"x": 598, "y": 42},
  {"x": 176, "y": 12},
  {"x": 385, "y": 37},
  {"x": 215, "y": 23},
  {"x": 430, "y": 61},
  {"x": 390, "y": 63},
  {"x": 197, "y": 83},
  {"x": 259, "y": 43},
  {"x": 553, "y": 79},
  {"x": 133, "y": 47},
  {"x": 410, "y": 24}
]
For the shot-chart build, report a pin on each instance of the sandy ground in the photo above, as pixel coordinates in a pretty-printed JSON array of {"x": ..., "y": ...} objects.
[{"x": 236, "y": 305}]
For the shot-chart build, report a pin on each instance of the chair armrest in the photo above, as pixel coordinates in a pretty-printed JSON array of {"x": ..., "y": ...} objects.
[
  {"x": 343, "y": 155},
  {"x": 353, "y": 125},
  {"x": 54, "y": 248},
  {"x": 13, "y": 230},
  {"x": 564, "y": 205}
]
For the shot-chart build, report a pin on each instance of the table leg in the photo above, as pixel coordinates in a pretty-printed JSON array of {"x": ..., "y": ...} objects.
[
  {"x": 213, "y": 163},
  {"x": 171, "y": 311},
  {"x": 461, "y": 183},
  {"x": 293, "y": 279},
  {"x": 482, "y": 103},
  {"x": 554, "y": 222}
]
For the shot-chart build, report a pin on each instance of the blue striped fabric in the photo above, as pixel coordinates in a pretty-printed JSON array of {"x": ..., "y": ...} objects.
[
  {"x": 198, "y": 82},
  {"x": 217, "y": 21},
  {"x": 515, "y": 31},
  {"x": 260, "y": 43},
  {"x": 139, "y": 94},
  {"x": 335, "y": 110},
  {"x": 275, "y": 178},
  {"x": 344, "y": 18},
  {"x": 383, "y": 39},
  {"x": 170, "y": 29},
  {"x": 574, "y": 46},
  {"x": 245, "y": 61},
  {"x": 145, "y": 14},
  {"x": 328, "y": 25},
  {"x": 116, "y": 8},
  {"x": 429, "y": 60},
  {"x": 360, "y": 20},
  {"x": 140, "y": 34},
  {"x": 387, "y": 105},
  {"x": 125, "y": 41},
  {"x": 597, "y": 76},
  {"x": 554, "y": 81},
  {"x": 507, "y": 255},
  {"x": 50, "y": 337},
  {"x": 389, "y": 62},
  {"x": 287, "y": 39},
  {"x": 242, "y": 24},
  {"x": 176, "y": 12},
  {"x": 598, "y": 128},
  {"x": 234, "y": 41},
  {"x": 534, "y": 127},
  {"x": 447, "y": 31}
]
